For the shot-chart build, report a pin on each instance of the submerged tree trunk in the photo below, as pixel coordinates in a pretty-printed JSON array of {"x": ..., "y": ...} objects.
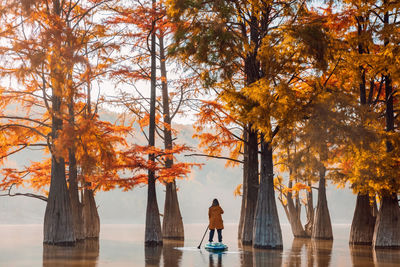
[
  {"x": 251, "y": 188},
  {"x": 244, "y": 183},
  {"x": 76, "y": 205},
  {"x": 322, "y": 228},
  {"x": 90, "y": 214},
  {"x": 387, "y": 227},
  {"x": 172, "y": 227},
  {"x": 172, "y": 222},
  {"x": 294, "y": 216},
  {"x": 309, "y": 212},
  {"x": 153, "y": 233},
  {"x": 267, "y": 230},
  {"x": 58, "y": 221},
  {"x": 362, "y": 226}
]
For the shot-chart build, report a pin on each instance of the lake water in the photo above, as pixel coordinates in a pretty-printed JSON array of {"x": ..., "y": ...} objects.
[{"x": 122, "y": 245}]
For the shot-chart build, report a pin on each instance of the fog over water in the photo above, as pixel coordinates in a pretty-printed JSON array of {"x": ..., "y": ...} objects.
[{"x": 195, "y": 194}]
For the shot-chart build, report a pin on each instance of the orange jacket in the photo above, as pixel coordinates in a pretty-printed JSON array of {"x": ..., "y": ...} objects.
[{"x": 214, "y": 215}]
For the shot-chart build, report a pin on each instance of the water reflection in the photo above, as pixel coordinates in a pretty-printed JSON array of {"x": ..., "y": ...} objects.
[
  {"x": 172, "y": 256},
  {"x": 361, "y": 256},
  {"x": 386, "y": 257},
  {"x": 152, "y": 256},
  {"x": 246, "y": 257},
  {"x": 85, "y": 253},
  {"x": 295, "y": 253},
  {"x": 322, "y": 251},
  {"x": 215, "y": 259},
  {"x": 259, "y": 257},
  {"x": 269, "y": 257}
]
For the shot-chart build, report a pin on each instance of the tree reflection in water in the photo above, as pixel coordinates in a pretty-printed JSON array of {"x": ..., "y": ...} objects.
[
  {"x": 215, "y": 262},
  {"x": 152, "y": 256},
  {"x": 322, "y": 252},
  {"x": 386, "y": 257},
  {"x": 172, "y": 256},
  {"x": 84, "y": 253},
  {"x": 259, "y": 257},
  {"x": 361, "y": 255},
  {"x": 295, "y": 253}
]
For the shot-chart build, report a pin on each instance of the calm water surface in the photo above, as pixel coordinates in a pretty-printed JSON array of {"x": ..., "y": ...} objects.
[{"x": 122, "y": 245}]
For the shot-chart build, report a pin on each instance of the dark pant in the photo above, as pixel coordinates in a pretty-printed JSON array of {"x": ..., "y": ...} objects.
[{"x": 219, "y": 231}]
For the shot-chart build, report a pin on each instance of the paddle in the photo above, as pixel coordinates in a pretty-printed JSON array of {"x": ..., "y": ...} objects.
[{"x": 203, "y": 237}]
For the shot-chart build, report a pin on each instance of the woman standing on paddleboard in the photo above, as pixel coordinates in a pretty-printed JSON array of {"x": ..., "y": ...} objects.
[{"x": 215, "y": 218}]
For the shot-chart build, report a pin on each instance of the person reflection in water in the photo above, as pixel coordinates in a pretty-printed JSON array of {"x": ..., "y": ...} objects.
[{"x": 215, "y": 218}]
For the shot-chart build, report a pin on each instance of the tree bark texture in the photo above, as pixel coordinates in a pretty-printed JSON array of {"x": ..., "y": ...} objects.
[
  {"x": 76, "y": 205},
  {"x": 251, "y": 188},
  {"x": 387, "y": 227},
  {"x": 294, "y": 216},
  {"x": 153, "y": 233},
  {"x": 58, "y": 221},
  {"x": 172, "y": 227},
  {"x": 90, "y": 215},
  {"x": 362, "y": 226},
  {"x": 172, "y": 221},
  {"x": 309, "y": 212},
  {"x": 244, "y": 183},
  {"x": 267, "y": 230},
  {"x": 322, "y": 228}
]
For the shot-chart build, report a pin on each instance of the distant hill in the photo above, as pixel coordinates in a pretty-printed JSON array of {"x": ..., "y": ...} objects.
[{"x": 195, "y": 194}]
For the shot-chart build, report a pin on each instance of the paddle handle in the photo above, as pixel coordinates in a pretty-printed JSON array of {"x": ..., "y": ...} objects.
[{"x": 203, "y": 237}]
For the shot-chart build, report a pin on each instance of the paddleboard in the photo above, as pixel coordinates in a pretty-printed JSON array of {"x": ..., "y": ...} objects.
[{"x": 216, "y": 247}]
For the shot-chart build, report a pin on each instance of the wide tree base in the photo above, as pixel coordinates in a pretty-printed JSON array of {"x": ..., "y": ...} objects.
[
  {"x": 387, "y": 227},
  {"x": 278, "y": 247},
  {"x": 153, "y": 243},
  {"x": 246, "y": 243},
  {"x": 61, "y": 244},
  {"x": 177, "y": 238},
  {"x": 362, "y": 226}
]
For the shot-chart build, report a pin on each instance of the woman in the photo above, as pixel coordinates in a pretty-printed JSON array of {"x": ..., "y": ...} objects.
[{"x": 215, "y": 218}]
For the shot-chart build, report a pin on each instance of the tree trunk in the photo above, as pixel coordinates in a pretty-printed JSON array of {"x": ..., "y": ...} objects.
[
  {"x": 153, "y": 233},
  {"x": 294, "y": 216},
  {"x": 322, "y": 228},
  {"x": 267, "y": 230},
  {"x": 172, "y": 222},
  {"x": 252, "y": 188},
  {"x": 362, "y": 226},
  {"x": 172, "y": 227},
  {"x": 76, "y": 205},
  {"x": 309, "y": 212},
  {"x": 58, "y": 221},
  {"x": 244, "y": 183},
  {"x": 90, "y": 215},
  {"x": 387, "y": 227}
]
